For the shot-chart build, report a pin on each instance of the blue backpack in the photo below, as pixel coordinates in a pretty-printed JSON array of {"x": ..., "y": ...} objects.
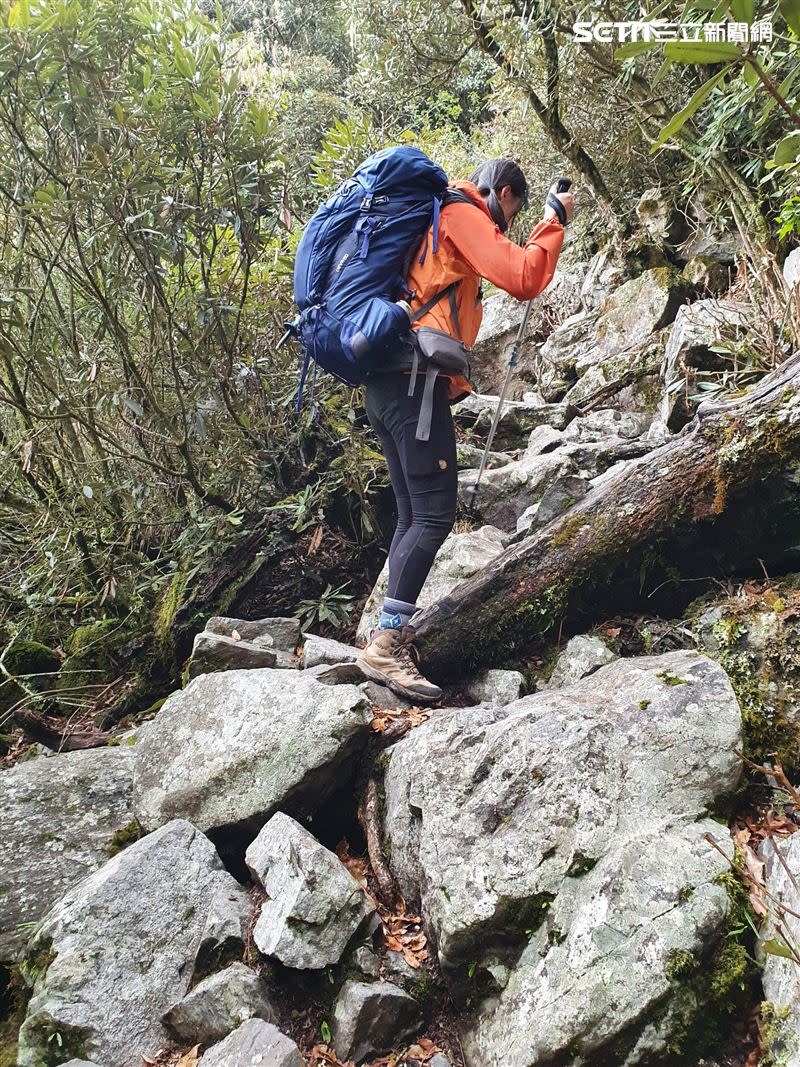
[{"x": 353, "y": 259}]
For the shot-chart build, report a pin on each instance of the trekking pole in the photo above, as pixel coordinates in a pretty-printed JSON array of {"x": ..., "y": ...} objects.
[{"x": 472, "y": 490}]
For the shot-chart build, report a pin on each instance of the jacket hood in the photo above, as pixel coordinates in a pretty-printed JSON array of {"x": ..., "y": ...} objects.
[{"x": 472, "y": 192}]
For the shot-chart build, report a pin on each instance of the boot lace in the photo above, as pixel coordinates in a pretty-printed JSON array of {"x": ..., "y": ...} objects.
[{"x": 408, "y": 656}]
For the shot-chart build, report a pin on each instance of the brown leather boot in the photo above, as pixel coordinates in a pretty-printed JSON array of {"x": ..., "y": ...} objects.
[{"x": 388, "y": 660}]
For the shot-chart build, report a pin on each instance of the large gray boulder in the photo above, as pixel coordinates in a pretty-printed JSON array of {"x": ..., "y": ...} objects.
[
  {"x": 511, "y": 827},
  {"x": 620, "y": 336},
  {"x": 696, "y": 329},
  {"x": 461, "y": 556},
  {"x": 617, "y": 347},
  {"x": 633, "y": 312},
  {"x": 600, "y": 968},
  {"x": 505, "y": 493},
  {"x": 119, "y": 949},
  {"x": 314, "y": 905},
  {"x": 322, "y": 651},
  {"x": 218, "y": 1004},
  {"x": 581, "y": 655},
  {"x": 372, "y": 1017},
  {"x": 781, "y": 975},
  {"x": 518, "y": 418},
  {"x": 254, "y": 1044},
  {"x": 58, "y": 818},
  {"x": 232, "y": 747},
  {"x": 215, "y": 652},
  {"x": 280, "y": 633}
]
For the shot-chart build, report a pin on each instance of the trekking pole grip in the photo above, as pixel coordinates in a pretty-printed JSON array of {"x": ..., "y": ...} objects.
[{"x": 562, "y": 186}]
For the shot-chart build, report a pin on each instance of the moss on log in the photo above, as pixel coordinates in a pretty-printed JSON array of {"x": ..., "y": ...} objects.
[{"x": 688, "y": 489}]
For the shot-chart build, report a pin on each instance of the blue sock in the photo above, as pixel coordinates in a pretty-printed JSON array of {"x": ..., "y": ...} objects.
[{"x": 395, "y": 614}]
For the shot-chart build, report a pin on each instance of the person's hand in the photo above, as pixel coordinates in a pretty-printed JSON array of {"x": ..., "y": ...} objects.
[{"x": 567, "y": 199}]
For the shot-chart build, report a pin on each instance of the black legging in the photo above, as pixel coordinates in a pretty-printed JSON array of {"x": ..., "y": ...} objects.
[{"x": 424, "y": 476}]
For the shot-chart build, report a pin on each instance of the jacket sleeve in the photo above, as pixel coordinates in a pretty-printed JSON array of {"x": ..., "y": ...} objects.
[{"x": 522, "y": 272}]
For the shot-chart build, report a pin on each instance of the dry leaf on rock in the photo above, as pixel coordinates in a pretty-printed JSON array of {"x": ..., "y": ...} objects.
[
  {"x": 190, "y": 1058},
  {"x": 356, "y": 865},
  {"x": 752, "y": 872},
  {"x": 403, "y": 933}
]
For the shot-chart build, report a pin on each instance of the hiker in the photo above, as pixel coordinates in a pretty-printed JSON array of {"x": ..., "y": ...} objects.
[{"x": 424, "y": 473}]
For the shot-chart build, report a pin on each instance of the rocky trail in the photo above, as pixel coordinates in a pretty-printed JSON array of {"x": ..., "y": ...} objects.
[{"x": 586, "y": 857}]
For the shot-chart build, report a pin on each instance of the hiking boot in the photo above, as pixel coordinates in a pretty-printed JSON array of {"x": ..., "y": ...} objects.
[{"x": 388, "y": 660}]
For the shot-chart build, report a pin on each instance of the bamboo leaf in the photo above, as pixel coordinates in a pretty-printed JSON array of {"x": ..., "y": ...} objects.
[
  {"x": 742, "y": 10},
  {"x": 634, "y": 48},
  {"x": 787, "y": 150},
  {"x": 662, "y": 71},
  {"x": 702, "y": 51},
  {"x": 678, "y": 121},
  {"x": 783, "y": 90},
  {"x": 777, "y": 948},
  {"x": 749, "y": 74},
  {"x": 790, "y": 9}
]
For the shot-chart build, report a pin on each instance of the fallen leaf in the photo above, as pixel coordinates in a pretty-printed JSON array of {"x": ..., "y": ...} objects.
[
  {"x": 753, "y": 873},
  {"x": 26, "y": 453},
  {"x": 315, "y": 541},
  {"x": 411, "y": 959}
]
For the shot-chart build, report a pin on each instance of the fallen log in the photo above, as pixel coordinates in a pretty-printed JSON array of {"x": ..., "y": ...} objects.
[
  {"x": 61, "y": 736},
  {"x": 697, "y": 485}
]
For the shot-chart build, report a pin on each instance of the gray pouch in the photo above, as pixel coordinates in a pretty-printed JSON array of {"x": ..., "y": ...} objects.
[{"x": 441, "y": 351}]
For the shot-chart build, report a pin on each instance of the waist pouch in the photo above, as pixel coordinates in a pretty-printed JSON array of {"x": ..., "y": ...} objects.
[{"x": 441, "y": 352}]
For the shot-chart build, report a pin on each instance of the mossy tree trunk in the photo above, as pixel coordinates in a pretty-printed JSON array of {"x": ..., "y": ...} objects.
[{"x": 701, "y": 484}]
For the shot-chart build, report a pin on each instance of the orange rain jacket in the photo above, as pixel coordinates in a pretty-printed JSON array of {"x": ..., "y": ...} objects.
[{"x": 471, "y": 246}]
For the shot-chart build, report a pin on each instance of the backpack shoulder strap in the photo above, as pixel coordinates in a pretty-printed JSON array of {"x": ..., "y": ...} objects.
[
  {"x": 456, "y": 196},
  {"x": 434, "y": 300}
]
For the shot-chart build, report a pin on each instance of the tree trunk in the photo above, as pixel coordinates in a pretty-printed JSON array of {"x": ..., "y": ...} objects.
[{"x": 694, "y": 491}]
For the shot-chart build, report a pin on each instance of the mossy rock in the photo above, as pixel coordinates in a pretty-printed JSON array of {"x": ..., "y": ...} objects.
[
  {"x": 707, "y": 991},
  {"x": 642, "y": 255},
  {"x": 93, "y": 660},
  {"x": 126, "y": 835},
  {"x": 755, "y": 636},
  {"x": 34, "y": 663},
  {"x": 779, "y": 1041}
]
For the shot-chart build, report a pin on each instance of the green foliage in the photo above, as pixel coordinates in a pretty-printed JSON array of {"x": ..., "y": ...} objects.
[
  {"x": 748, "y": 111},
  {"x": 332, "y": 607},
  {"x": 139, "y": 185},
  {"x": 145, "y": 417}
]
